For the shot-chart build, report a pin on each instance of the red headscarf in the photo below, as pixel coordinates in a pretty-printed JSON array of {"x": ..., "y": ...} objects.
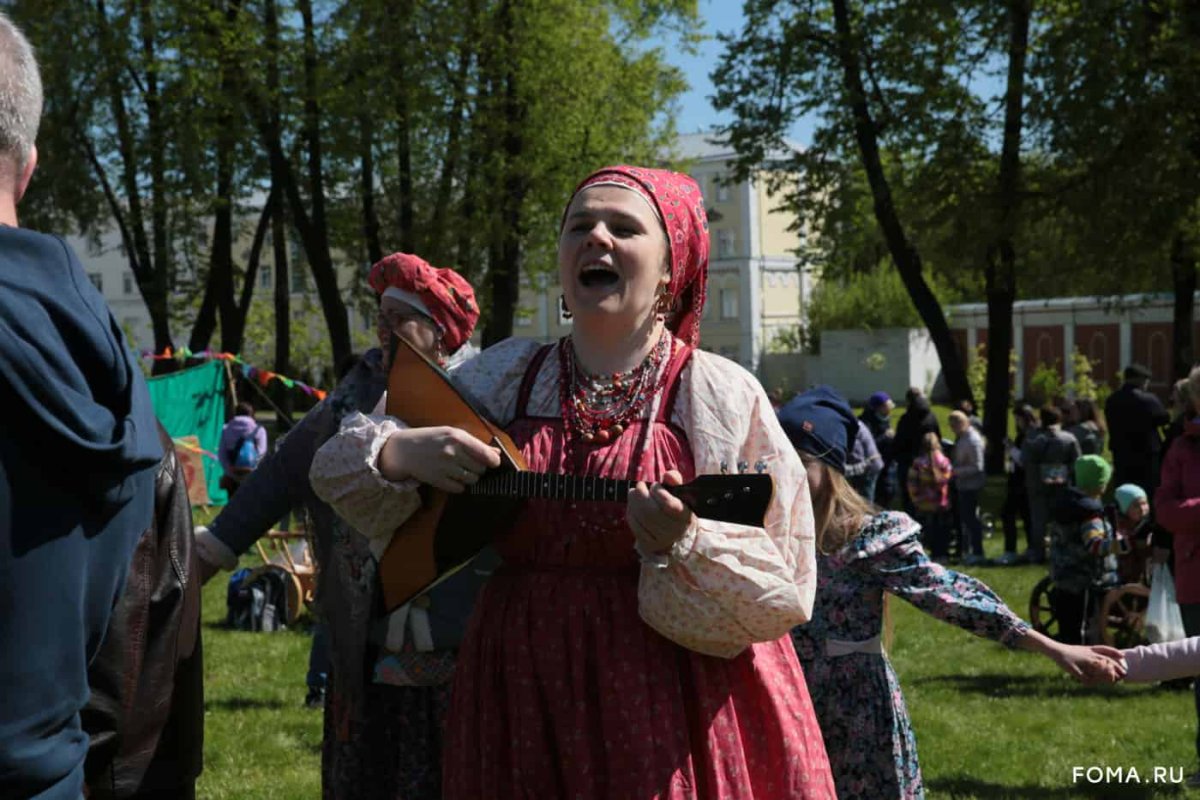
[
  {"x": 447, "y": 296},
  {"x": 680, "y": 207}
]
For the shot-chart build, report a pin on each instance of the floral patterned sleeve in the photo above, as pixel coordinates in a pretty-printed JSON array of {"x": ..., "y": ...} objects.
[
  {"x": 727, "y": 585},
  {"x": 896, "y": 558}
]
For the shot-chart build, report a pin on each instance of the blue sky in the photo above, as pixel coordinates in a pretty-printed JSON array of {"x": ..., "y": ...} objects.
[
  {"x": 725, "y": 16},
  {"x": 696, "y": 112}
]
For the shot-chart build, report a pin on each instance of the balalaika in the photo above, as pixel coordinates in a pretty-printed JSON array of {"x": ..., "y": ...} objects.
[{"x": 448, "y": 530}]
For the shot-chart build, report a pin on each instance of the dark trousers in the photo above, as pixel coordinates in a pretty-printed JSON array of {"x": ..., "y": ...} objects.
[
  {"x": 1191, "y": 626},
  {"x": 1016, "y": 506},
  {"x": 318, "y": 658},
  {"x": 906, "y": 504},
  {"x": 970, "y": 526},
  {"x": 885, "y": 486},
  {"x": 864, "y": 484},
  {"x": 935, "y": 533},
  {"x": 1071, "y": 608}
]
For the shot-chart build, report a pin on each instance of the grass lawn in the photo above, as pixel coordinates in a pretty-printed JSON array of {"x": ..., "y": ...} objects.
[{"x": 990, "y": 723}]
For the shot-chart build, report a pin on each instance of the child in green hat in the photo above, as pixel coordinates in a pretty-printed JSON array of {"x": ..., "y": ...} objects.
[{"x": 1083, "y": 548}]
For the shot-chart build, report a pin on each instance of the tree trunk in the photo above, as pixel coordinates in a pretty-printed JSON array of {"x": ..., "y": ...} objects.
[
  {"x": 145, "y": 264},
  {"x": 163, "y": 276},
  {"x": 1183, "y": 283},
  {"x": 436, "y": 238},
  {"x": 237, "y": 325},
  {"x": 283, "y": 311},
  {"x": 313, "y": 231},
  {"x": 505, "y": 277},
  {"x": 904, "y": 254},
  {"x": 206, "y": 320},
  {"x": 406, "y": 221},
  {"x": 366, "y": 128},
  {"x": 1001, "y": 268},
  {"x": 220, "y": 270}
]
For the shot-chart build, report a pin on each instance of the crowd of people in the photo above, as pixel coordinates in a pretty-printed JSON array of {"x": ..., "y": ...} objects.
[{"x": 598, "y": 648}]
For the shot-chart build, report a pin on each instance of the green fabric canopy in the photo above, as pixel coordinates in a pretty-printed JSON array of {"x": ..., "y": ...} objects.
[{"x": 192, "y": 402}]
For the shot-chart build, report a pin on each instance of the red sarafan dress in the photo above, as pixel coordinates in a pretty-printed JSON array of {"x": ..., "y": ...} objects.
[{"x": 562, "y": 691}]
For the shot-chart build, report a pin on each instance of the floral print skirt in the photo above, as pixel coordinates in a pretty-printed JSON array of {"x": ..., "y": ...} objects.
[{"x": 868, "y": 736}]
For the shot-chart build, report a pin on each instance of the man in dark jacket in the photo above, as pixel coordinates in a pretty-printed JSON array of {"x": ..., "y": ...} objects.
[
  {"x": 1134, "y": 416},
  {"x": 78, "y": 451},
  {"x": 145, "y": 717},
  {"x": 918, "y": 420},
  {"x": 877, "y": 416}
]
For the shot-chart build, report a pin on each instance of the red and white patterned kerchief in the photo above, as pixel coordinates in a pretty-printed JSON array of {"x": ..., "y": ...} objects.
[{"x": 680, "y": 206}]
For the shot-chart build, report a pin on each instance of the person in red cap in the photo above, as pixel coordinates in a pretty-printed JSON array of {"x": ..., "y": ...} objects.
[
  {"x": 388, "y": 679},
  {"x": 624, "y": 649},
  {"x": 434, "y": 309}
]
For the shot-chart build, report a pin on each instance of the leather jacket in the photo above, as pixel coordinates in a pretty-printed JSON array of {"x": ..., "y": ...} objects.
[{"x": 145, "y": 716}]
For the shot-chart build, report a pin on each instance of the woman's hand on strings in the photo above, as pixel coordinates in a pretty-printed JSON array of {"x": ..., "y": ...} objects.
[
  {"x": 444, "y": 457},
  {"x": 658, "y": 518}
]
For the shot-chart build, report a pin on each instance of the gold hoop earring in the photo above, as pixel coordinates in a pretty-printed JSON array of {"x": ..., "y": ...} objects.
[{"x": 666, "y": 305}]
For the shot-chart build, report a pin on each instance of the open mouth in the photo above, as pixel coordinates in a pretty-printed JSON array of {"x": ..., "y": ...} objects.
[{"x": 598, "y": 275}]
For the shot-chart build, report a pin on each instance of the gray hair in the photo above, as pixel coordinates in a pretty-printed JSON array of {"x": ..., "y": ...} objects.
[
  {"x": 1193, "y": 383},
  {"x": 20, "y": 93}
]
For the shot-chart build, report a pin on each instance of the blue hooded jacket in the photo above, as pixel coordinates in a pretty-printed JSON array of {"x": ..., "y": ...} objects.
[{"x": 78, "y": 452}]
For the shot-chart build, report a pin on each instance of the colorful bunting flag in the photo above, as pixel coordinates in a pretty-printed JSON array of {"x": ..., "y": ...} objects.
[{"x": 248, "y": 371}]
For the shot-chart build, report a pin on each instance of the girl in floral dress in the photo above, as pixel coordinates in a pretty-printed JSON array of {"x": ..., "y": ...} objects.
[
  {"x": 624, "y": 650},
  {"x": 863, "y": 553}
]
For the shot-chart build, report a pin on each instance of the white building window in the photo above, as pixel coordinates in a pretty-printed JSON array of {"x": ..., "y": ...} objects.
[
  {"x": 97, "y": 280},
  {"x": 721, "y": 189},
  {"x": 299, "y": 280},
  {"x": 729, "y": 304},
  {"x": 127, "y": 283},
  {"x": 724, "y": 244},
  {"x": 264, "y": 276}
]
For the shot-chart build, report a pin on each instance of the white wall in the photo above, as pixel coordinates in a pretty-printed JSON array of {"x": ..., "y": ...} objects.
[{"x": 859, "y": 363}]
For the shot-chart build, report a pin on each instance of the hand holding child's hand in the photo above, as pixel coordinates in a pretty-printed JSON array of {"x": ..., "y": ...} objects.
[
  {"x": 1106, "y": 666},
  {"x": 1090, "y": 665}
]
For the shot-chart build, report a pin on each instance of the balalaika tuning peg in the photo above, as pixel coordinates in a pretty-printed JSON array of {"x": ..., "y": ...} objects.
[
  {"x": 760, "y": 466},
  {"x": 742, "y": 467},
  {"x": 724, "y": 467}
]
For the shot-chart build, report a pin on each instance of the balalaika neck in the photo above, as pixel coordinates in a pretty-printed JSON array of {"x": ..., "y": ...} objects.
[{"x": 551, "y": 486}]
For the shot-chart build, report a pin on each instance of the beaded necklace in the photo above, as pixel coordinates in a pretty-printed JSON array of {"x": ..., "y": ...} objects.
[{"x": 599, "y": 407}]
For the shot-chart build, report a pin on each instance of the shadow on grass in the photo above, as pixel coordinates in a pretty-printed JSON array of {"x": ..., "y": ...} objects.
[
  {"x": 1004, "y": 685},
  {"x": 243, "y": 704},
  {"x": 962, "y": 787},
  {"x": 303, "y": 625}
]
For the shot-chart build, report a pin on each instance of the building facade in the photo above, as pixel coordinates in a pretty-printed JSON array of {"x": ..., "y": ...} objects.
[
  {"x": 107, "y": 266},
  {"x": 1112, "y": 332}
]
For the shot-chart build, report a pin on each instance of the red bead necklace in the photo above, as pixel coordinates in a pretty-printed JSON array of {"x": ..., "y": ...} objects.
[{"x": 599, "y": 407}]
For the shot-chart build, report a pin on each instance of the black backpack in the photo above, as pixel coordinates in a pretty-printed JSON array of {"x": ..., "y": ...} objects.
[{"x": 260, "y": 604}]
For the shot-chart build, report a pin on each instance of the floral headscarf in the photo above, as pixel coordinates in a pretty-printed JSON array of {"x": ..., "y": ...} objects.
[
  {"x": 680, "y": 206},
  {"x": 446, "y": 295}
]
